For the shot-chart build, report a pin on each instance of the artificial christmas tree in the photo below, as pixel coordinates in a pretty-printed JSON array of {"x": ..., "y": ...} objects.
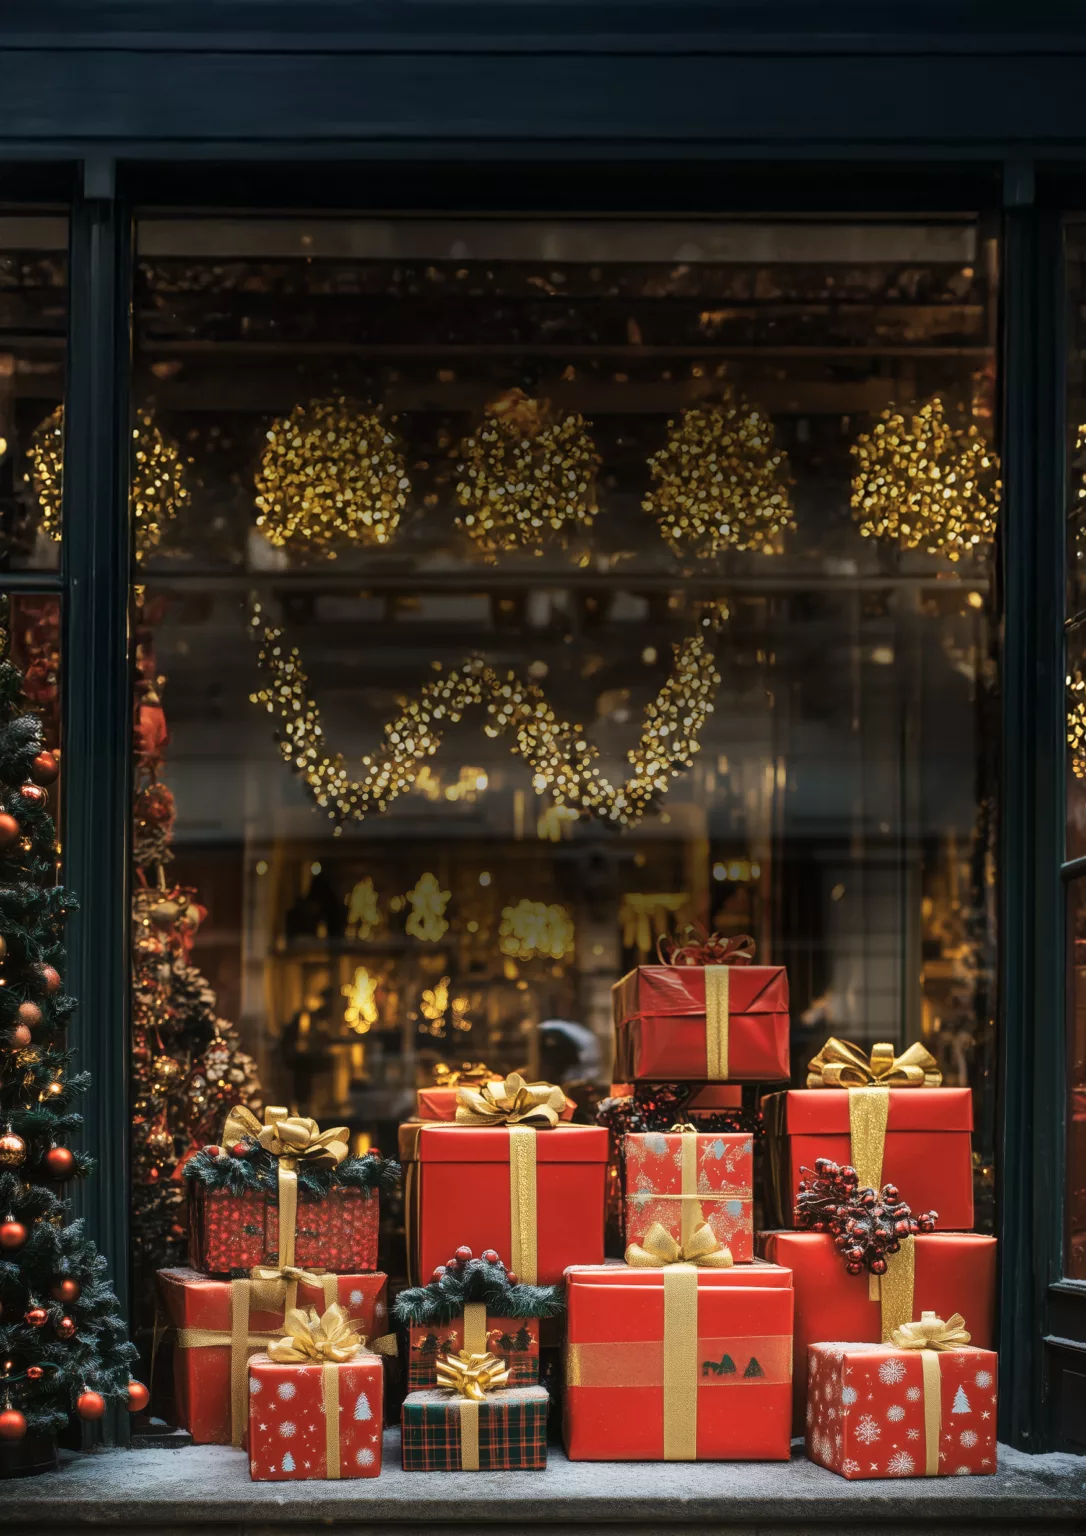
[{"x": 63, "y": 1346}]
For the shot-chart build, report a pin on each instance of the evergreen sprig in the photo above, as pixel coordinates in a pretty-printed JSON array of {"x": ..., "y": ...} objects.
[
  {"x": 257, "y": 1171},
  {"x": 476, "y": 1280}
]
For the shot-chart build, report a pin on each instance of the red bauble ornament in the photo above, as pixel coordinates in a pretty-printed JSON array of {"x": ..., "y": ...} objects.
[
  {"x": 240, "y": 1148},
  {"x": 37, "y": 1317},
  {"x": 66, "y": 1328},
  {"x": 33, "y": 793},
  {"x": 511, "y": 1277},
  {"x": 10, "y": 829},
  {"x": 66, "y": 1290},
  {"x": 463, "y": 1255},
  {"x": 49, "y": 978},
  {"x": 138, "y": 1396},
  {"x": 490, "y": 1255},
  {"x": 21, "y": 1036},
  {"x": 34, "y": 1373},
  {"x": 439, "y": 1273},
  {"x": 29, "y": 1015},
  {"x": 12, "y": 1424},
  {"x": 90, "y": 1405},
  {"x": 12, "y": 1235},
  {"x": 44, "y": 768},
  {"x": 60, "y": 1162}
]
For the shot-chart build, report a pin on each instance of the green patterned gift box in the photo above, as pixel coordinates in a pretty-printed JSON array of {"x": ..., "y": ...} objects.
[{"x": 444, "y": 1432}]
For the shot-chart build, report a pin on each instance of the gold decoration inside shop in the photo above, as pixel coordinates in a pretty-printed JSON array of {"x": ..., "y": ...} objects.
[
  {"x": 721, "y": 482},
  {"x": 923, "y": 483},
  {"x": 158, "y": 491},
  {"x": 562, "y": 760},
  {"x": 525, "y": 475},
  {"x": 331, "y": 475},
  {"x": 1076, "y": 722},
  {"x": 534, "y": 928}
]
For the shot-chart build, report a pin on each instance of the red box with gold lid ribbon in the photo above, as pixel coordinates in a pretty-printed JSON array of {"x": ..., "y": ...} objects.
[
  {"x": 676, "y": 1023},
  {"x": 683, "y": 1178}
]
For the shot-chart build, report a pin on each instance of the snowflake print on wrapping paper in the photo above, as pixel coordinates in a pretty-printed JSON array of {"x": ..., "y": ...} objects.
[
  {"x": 848, "y": 1396},
  {"x": 901, "y": 1464},
  {"x": 867, "y": 1430},
  {"x": 364, "y": 1457},
  {"x": 891, "y": 1372},
  {"x": 914, "y": 1394},
  {"x": 810, "y": 1411},
  {"x": 963, "y": 1472},
  {"x": 848, "y": 1466},
  {"x": 895, "y": 1413},
  {"x": 812, "y": 1364},
  {"x": 254, "y": 1386},
  {"x": 287, "y": 1429},
  {"x": 656, "y": 1143},
  {"x": 286, "y": 1390},
  {"x": 968, "y": 1438},
  {"x": 983, "y": 1378},
  {"x": 356, "y": 1298},
  {"x": 913, "y": 1434}
]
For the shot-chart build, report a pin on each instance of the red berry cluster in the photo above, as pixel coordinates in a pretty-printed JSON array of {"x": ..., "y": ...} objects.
[
  {"x": 866, "y": 1227},
  {"x": 457, "y": 1265}
]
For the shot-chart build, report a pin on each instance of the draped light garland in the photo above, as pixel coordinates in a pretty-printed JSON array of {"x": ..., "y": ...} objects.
[
  {"x": 923, "y": 483},
  {"x": 562, "y": 760}
]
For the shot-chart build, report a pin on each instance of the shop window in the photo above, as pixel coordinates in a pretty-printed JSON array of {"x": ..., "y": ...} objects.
[{"x": 514, "y": 594}]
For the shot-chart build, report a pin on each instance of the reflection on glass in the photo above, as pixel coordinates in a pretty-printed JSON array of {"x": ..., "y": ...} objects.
[
  {"x": 542, "y": 587},
  {"x": 1075, "y": 1255}
]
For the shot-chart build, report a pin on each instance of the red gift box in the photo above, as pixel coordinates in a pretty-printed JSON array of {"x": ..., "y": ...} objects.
[
  {"x": 465, "y": 1184},
  {"x": 440, "y": 1103},
  {"x": 951, "y": 1272},
  {"x": 315, "y": 1419},
  {"x": 237, "y": 1232},
  {"x": 201, "y": 1312},
  {"x": 926, "y": 1150},
  {"x": 678, "y": 1364},
  {"x": 513, "y": 1339},
  {"x": 678, "y": 1023},
  {"x": 879, "y": 1411},
  {"x": 682, "y": 1180}
]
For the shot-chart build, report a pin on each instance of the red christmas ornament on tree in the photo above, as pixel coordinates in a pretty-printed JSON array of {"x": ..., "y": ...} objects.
[
  {"x": 66, "y": 1328},
  {"x": 28, "y": 1014},
  {"x": 9, "y": 829},
  {"x": 66, "y": 1290},
  {"x": 21, "y": 1036},
  {"x": 37, "y": 1317},
  {"x": 33, "y": 794},
  {"x": 60, "y": 1162},
  {"x": 50, "y": 979},
  {"x": 138, "y": 1396},
  {"x": 12, "y": 1424},
  {"x": 34, "y": 1373},
  {"x": 90, "y": 1405},
  {"x": 44, "y": 768},
  {"x": 12, "y": 1236}
]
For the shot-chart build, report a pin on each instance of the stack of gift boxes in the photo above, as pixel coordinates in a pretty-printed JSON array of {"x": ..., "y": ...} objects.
[{"x": 705, "y": 1341}]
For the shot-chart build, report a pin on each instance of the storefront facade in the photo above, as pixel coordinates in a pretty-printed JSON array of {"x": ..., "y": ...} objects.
[{"x": 627, "y": 213}]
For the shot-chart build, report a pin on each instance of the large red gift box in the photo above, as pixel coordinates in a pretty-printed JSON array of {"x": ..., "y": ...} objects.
[
  {"x": 514, "y": 1339},
  {"x": 879, "y": 1411},
  {"x": 698, "y": 1023},
  {"x": 237, "y": 1232},
  {"x": 951, "y": 1272},
  {"x": 316, "y": 1419},
  {"x": 682, "y": 1180},
  {"x": 536, "y": 1197},
  {"x": 926, "y": 1150},
  {"x": 201, "y": 1311},
  {"x": 678, "y": 1364}
]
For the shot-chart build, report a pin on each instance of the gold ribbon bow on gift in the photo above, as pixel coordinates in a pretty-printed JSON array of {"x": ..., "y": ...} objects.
[
  {"x": 839, "y": 1064},
  {"x": 467, "y": 1072},
  {"x": 512, "y": 1102},
  {"x": 697, "y": 946},
  {"x": 660, "y": 1249},
  {"x": 931, "y": 1336},
  {"x": 471, "y": 1377}
]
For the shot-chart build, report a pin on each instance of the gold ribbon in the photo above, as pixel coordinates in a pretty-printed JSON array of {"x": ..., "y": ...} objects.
[
  {"x": 868, "y": 1114},
  {"x": 680, "y": 1363},
  {"x": 474, "y": 1072},
  {"x": 894, "y": 1290},
  {"x": 717, "y": 1007},
  {"x": 932, "y": 1336},
  {"x": 475, "y": 1326},
  {"x": 512, "y": 1102},
  {"x": 659, "y": 1249},
  {"x": 839, "y": 1064},
  {"x": 471, "y": 1375},
  {"x": 523, "y": 1245}
]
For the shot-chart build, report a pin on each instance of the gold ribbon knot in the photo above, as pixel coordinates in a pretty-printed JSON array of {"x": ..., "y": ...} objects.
[
  {"x": 932, "y": 1333},
  {"x": 307, "y": 1336},
  {"x": 471, "y": 1375},
  {"x": 839, "y": 1064},
  {"x": 513, "y": 1102},
  {"x": 292, "y": 1137},
  {"x": 660, "y": 1249},
  {"x": 931, "y": 1336}
]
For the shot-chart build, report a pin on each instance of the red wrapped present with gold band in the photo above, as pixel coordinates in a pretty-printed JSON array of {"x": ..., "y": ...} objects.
[
  {"x": 684, "y": 1177},
  {"x": 707, "y": 1015},
  {"x": 680, "y": 1362},
  {"x": 932, "y": 1273},
  {"x": 886, "y": 1115}
]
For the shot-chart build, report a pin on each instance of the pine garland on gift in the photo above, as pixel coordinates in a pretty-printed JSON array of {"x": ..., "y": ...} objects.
[
  {"x": 866, "y": 1227},
  {"x": 486, "y": 1279},
  {"x": 63, "y": 1346},
  {"x": 246, "y": 1168}
]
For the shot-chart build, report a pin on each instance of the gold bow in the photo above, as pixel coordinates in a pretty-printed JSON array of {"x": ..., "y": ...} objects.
[
  {"x": 660, "y": 1249},
  {"x": 932, "y": 1333},
  {"x": 471, "y": 1375},
  {"x": 294, "y": 1138},
  {"x": 840, "y": 1064},
  {"x": 513, "y": 1102},
  {"x": 329, "y": 1337},
  {"x": 467, "y": 1072}
]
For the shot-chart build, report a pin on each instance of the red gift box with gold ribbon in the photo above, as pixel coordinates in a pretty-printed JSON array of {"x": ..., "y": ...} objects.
[
  {"x": 943, "y": 1272},
  {"x": 681, "y": 1178},
  {"x": 678, "y": 1023},
  {"x": 678, "y": 1363},
  {"x": 230, "y": 1232}
]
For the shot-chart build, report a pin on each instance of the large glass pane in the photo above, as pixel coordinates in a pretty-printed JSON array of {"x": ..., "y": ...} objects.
[
  {"x": 1075, "y": 1256},
  {"x": 521, "y": 592}
]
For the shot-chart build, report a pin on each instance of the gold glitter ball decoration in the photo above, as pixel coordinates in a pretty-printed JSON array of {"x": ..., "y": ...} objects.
[
  {"x": 526, "y": 476},
  {"x": 922, "y": 482},
  {"x": 331, "y": 475},
  {"x": 1076, "y": 722},
  {"x": 535, "y": 928},
  {"x": 158, "y": 491},
  {"x": 721, "y": 482}
]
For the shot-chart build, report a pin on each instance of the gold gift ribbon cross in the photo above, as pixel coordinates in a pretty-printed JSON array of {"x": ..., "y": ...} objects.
[
  {"x": 931, "y": 1336},
  {"x": 471, "y": 1376},
  {"x": 290, "y": 1139}
]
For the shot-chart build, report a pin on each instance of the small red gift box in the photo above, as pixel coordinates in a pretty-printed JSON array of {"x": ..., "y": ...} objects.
[
  {"x": 317, "y": 1419},
  {"x": 926, "y": 1145},
  {"x": 944, "y": 1272},
  {"x": 874, "y": 1410},
  {"x": 513, "y": 1339},
  {"x": 678, "y": 1364},
  {"x": 677, "y": 1023},
  {"x": 537, "y": 1197},
  {"x": 682, "y": 1179},
  {"x": 237, "y": 1232},
  {"x": 201, "y": 1311}
]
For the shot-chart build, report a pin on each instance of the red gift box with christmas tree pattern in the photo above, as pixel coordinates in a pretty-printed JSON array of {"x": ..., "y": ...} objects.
[
  {"x": 684, "y": 1178},
  {"x": 514, "y": 1339}
]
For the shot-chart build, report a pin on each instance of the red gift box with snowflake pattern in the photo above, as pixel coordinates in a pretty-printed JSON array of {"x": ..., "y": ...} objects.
[
  {"x": 877, "y": 1411},
  {"x": 230, "y": 1232},
  {"x": 681, "y": 1180},
  {"x": 317, "y": 1419}
]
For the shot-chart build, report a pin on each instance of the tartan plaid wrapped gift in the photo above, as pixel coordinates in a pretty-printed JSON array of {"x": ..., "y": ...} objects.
[{"x": 474, "y": 1421}]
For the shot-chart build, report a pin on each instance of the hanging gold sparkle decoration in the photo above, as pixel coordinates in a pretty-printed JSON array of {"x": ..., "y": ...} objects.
[
  {"x": 158, "y": 491},
  {"x": 525, "y": 476},
  {"x": 562, "y": 760},
  {"x": 1076, "y": 722},
  {"x": 331, "y": 475},
  {"x": 535, "y": 928},
  {"x": 361, "y": 1012},
  {"x": 923, "y": 483},
  {"x": 363, "y": 911},
  {"x": 720, "y": 481},
  {"x": 427, "y": 901}
]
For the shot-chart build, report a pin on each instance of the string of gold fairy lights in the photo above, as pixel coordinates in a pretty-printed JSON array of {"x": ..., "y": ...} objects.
[
  {"x": 1076, "y": 722},
  {"x": 561, "y": 759}
]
